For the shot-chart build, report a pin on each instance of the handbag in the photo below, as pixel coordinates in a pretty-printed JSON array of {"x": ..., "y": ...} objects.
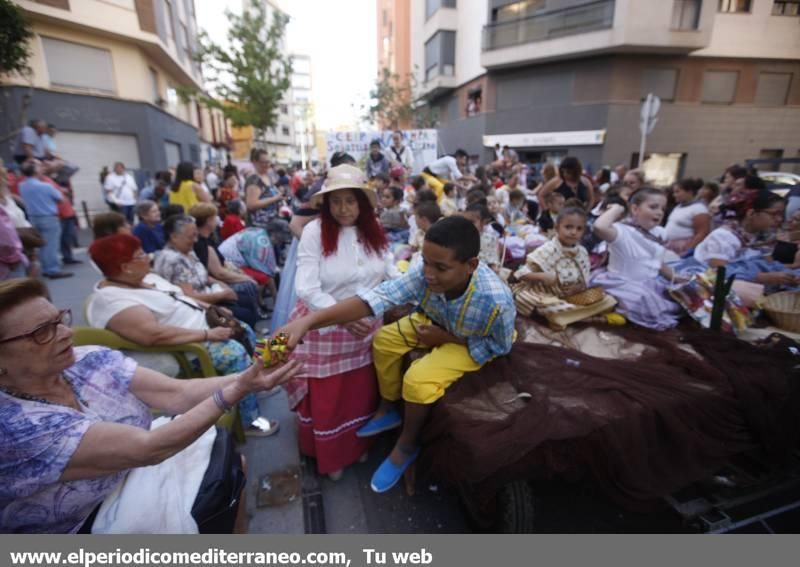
[
  {"x": 589, "y": 295},
  {"x": 219, "y": 496},
  {"x": 216, "y": 317},
  {"x": 30, "y": 237}
]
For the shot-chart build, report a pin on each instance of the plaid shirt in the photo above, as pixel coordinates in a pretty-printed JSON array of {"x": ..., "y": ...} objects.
[{"x": 484, "y": 314}]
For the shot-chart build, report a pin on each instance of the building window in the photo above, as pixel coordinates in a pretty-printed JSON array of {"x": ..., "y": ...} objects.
[
  {"x": 187, "y": 47},
  {"x": 154, "y": 85},
  {"x": 78, "y": 66},
  {"x": 786, "y": 8},
  {"x": 284, "y": 109},
  {"x": 660, "y": 82},
  {"x": 517, "y": 10},
  {"x": 735, "y": 6},
  {"x": 385, "y": 17},
  {"x": 773, "y": 89},
  {"x": 686, "y": 14},
  {"x": 285, "y": 131},
  {"x": 440, "y": 55},
  {"x": 431, "y": 6},
  {"x": 474, "y": 102},
  {"x": 170, "y": 19},
  {"x": 719, "y": 87}
]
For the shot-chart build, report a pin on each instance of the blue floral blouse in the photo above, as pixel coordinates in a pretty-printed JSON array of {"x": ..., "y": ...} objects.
[{"x": 38, "y": 439}]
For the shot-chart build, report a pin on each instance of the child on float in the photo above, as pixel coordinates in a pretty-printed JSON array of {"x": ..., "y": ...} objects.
[
  {"x": 556, "y": 270},
  {"x": 466, "y": 317},
  {"x": 449, "y": 201},
  {"x": 636, "y": 260},
  {"x": 393, "y": 217},
  {"x": 478, "y": 214},
  {"x": 553, "y": 203}
]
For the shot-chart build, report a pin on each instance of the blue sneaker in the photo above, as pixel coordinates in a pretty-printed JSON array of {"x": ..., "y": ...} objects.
[
  {"x": 389, "y": 474},
  {"x": 387, "y": 421}
]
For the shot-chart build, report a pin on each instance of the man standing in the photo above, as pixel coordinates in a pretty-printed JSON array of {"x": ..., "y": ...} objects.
[
  {"x": 41, "y": 203},
  {"x": 400, "y": 153},
  {"x": 121, "y": 190},
  {"x": 30, "y": 144}
]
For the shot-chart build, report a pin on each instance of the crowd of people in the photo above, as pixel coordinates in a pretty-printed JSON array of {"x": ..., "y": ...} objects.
[{"x": 358, "y": 264}]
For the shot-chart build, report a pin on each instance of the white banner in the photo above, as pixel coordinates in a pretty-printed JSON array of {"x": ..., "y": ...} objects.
[
  {"x": 546, "y": 139},
  {"x": 423, "y": 144}
]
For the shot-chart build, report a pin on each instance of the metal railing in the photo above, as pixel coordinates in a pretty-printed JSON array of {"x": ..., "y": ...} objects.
[{"x": 591, "y": 16}]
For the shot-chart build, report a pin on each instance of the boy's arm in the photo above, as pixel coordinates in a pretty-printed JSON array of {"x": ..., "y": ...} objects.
[
  {"x": 369, "y": 302},
  {"x": 347, "y": 311}
]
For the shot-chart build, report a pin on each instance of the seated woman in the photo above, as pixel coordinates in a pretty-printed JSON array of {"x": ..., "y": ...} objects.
[
  {"x": 736, "y": 246},
  {"x": 149, "y": 229},
  {"x": 106, "y": 224},
  {"x": 145, "y": 309},
  {"x": 689, "y": 222},
  {"x": 178, "y": 264},
  {"x": 251, "y": 252},
  {"x": 76, "y": 420},
  {"x": 555, "y": 270},
  {"x": 206, "y": 218}
]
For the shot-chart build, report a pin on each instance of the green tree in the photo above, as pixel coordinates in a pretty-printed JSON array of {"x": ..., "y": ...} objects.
[
  {"x": 247, "y": 78},
  {"x": 15, "y": 33},
  {"x": 393, "y": 105}
]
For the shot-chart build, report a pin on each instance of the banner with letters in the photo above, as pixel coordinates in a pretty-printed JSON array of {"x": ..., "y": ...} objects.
[{"x": 423, "y": 144}]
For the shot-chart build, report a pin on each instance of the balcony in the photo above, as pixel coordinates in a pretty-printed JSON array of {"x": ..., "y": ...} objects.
[{"x": 583, "y": 18}]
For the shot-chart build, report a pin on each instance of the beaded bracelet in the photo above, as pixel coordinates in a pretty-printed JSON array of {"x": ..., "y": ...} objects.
[{"x": 219, "y": 399}]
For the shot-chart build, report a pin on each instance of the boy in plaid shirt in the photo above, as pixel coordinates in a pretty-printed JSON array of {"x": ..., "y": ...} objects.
[{"x": 465, "y": 316}]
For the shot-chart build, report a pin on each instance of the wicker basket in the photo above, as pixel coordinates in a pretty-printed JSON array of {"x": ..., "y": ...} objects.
[
  {"x": 588, "y": 296},
  {"x": 784, "y": 310}
]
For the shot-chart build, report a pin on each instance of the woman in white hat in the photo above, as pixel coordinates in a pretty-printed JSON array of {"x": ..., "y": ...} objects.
[{"x": 339, "y": 253}]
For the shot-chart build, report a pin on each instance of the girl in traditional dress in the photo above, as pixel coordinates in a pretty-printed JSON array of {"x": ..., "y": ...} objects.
[
  {"x": 636, "y": 259},
  {"x": 556, "y": 270}
]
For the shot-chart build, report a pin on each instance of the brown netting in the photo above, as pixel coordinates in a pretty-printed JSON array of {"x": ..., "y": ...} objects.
[{"x": 641, "y": 428}]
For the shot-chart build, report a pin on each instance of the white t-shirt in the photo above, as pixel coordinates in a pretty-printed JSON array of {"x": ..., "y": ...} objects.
[
  {"x": 106, "y": 302},
  {"x": 17, "y": 215},
  {"x": 121, "y": 189},
  {"x": 212, "y": 180},
  {"x": 634, "y": 255},
  {"x": 322, "y": 281},
  {"x": 679, "y": 225},
  {"x": 446, "y": 167}
]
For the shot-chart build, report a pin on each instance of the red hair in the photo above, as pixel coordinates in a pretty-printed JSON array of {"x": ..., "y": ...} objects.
[
  {"x": 110, "y": 252},
  {"x": 370, "y": 233}
]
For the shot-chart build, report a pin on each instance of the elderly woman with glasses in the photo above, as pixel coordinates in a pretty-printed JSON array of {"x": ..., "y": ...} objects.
[
  {"x": 178, "y": 263},
  {"x": 76, "y": 419}
]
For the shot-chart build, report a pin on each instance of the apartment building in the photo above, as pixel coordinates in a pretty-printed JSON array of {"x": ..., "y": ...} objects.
[
  {"x": 305, "y": 128},
  {"x": 106, "y": 73},
  {"x": 558, "y": 77},
  {"x": 394, "y": 40}
]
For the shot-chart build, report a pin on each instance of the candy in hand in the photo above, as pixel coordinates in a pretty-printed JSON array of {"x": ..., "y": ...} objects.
[{"x": 273, "y": 350}]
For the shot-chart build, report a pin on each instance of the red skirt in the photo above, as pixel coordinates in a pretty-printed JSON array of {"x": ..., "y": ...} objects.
[{"x": 331, "y": 413}]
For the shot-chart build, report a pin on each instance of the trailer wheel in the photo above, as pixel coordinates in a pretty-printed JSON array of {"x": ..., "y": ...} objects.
[{"x": 515, "y": 510}]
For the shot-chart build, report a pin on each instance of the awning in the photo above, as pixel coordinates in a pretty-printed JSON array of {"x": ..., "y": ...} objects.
[{"x": 542, "y": 139}]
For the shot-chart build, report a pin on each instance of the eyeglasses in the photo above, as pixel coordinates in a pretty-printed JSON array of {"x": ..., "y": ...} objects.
[{"x": 45, "y": 332}]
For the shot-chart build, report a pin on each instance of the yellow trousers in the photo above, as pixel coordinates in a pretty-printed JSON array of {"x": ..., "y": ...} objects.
[
  {"x": 428, "y": 377},
  {"x": 435, "y": 184}
]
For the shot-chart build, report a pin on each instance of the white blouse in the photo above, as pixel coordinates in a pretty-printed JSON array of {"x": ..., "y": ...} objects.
[
  {"x": 322, "y": 281},
  {"x": 634, "y": 255},
  {"x": 680, "y": 224},
  {"x": 723, "y": 244}
]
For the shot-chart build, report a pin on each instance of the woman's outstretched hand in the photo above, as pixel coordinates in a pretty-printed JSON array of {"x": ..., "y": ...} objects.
[{"x": 257, "y": 378}]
